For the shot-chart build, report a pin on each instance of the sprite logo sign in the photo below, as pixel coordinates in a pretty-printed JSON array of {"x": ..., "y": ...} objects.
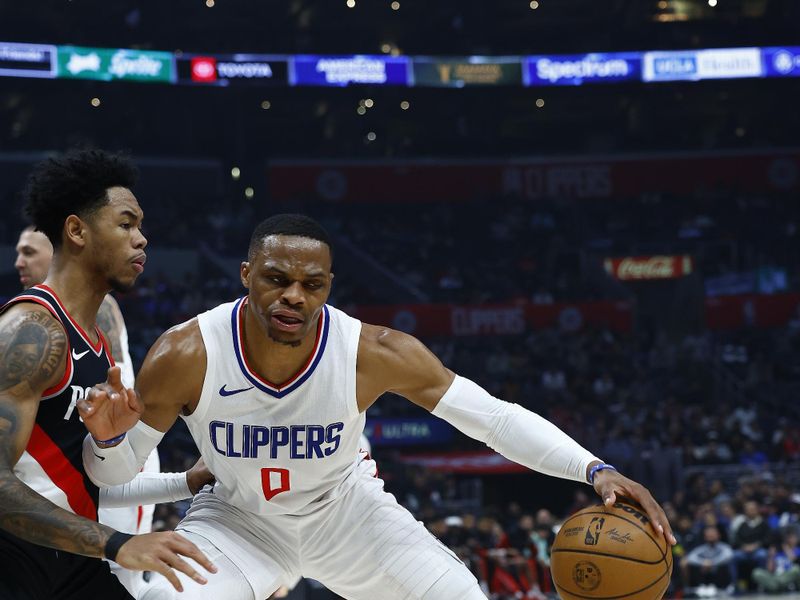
[{"x": 109, "y": 65}]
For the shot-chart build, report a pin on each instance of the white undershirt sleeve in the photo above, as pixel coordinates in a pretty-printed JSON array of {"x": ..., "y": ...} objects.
[
  {"x": 119, "y": 464},
  {"x": 516, "y": 433},
  {"x": 146, "y": 488}
]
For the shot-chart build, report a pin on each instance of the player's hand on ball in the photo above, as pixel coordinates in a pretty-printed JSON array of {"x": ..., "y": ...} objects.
[
  {"x": 161, "y": 552},
  {"x": 110, "y": 409},
  {"x": 609, "y": 484}
]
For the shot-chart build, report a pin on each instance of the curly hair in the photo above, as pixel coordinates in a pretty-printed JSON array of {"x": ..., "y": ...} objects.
[{"x": 75, "y": 183}]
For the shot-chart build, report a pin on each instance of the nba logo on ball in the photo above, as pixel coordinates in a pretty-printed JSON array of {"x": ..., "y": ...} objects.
[
  {"x": 586, "y": 575},
  {"x": 604, "y": 552}
]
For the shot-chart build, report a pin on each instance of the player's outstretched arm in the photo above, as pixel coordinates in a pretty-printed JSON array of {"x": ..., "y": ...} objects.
[
  {"x": 392, "y": 361},
  {"x": 169, "y": 382},
  {"x": 157, "y": 488}
]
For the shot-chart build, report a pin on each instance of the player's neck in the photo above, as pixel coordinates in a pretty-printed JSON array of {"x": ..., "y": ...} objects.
[
  {"x": 79, "y": 293},
  {"x": 277, "y": 362}
]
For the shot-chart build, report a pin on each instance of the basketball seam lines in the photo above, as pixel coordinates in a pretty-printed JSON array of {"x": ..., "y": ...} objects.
[
  {"x": 608, "y": 555},
  {"x": 634, "y": 523},
  {"x": 626, "y": 595}
]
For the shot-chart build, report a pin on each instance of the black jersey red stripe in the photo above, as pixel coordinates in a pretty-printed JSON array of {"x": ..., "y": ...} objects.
[{"x": 56, "y": 442}]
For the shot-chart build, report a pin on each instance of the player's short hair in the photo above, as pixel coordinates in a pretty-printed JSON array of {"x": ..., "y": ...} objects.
[
  {"x": 74, "y": 183},
  {"x": 288, "y": 224}
]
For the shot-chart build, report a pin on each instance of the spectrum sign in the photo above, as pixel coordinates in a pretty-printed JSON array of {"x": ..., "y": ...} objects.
[{"x": 577, "y": 69}]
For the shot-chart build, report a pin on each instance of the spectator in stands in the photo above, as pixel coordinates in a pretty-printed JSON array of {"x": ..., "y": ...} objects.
[
  {"x": 710, "y": 567},
  {"x": 751, "y": 538},
  {"x": 782, "y": 572}
]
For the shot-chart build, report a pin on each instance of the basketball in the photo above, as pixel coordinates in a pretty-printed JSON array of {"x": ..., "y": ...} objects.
[{"x": 610, "y": 552}]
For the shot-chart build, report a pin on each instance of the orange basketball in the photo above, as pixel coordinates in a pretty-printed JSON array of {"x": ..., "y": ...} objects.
[{"x": 610, "y": 552}]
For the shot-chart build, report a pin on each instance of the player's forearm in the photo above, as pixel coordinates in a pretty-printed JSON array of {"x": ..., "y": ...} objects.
[
  {"x": 31, "y": 517},
  {"x": 119, "y": 464},
  {"x": 516, "y": 433},
  {"x": 147, "y": 488}
]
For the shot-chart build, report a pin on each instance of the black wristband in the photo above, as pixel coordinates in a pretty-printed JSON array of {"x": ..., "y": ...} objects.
[{"x": 114, "y": 543}]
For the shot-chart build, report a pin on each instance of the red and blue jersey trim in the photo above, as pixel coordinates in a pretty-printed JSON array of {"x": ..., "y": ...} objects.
[
  {"x": 299, "y": 378},
  {"x": 97, "y": 347}
]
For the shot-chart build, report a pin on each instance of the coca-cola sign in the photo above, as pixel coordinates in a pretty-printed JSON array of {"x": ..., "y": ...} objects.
[{"x": 649, "y": 267}]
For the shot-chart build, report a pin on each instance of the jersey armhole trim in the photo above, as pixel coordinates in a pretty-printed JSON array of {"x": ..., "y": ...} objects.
[
  {"x": 352, "y": 372},
  {"x": 206, "y": 393}
]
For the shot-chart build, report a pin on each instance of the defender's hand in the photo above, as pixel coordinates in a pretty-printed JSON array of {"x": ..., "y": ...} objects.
[
  {"x": 110, "y": 409},
  {"x": 161, "y": 552},
  {"x": 198, "y": 476},
  {"x": 608, "y": 483}
]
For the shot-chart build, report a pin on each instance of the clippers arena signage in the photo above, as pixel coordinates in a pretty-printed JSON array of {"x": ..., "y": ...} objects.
[
  {"x": 639, "y": 268},
  {"x": 498, "y": 319},
  {"x": 531, "y": 179}
]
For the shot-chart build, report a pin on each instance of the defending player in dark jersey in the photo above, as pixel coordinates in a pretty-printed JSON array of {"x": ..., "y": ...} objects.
[{"x": 84, "y": 204}]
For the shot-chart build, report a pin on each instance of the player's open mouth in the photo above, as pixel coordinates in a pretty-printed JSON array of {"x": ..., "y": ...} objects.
[{"x": 285, "y": 322}]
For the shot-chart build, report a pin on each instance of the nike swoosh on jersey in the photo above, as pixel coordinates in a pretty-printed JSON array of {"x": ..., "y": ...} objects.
[
  {"x": 77, "y": 355},
  {"x": 224, "y": 392}
]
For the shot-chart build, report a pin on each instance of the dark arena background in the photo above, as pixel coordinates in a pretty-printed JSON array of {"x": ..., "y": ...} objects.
[{"x": 589, "y": 208}]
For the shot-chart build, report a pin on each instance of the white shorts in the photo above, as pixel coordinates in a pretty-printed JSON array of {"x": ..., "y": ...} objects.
[{"x": 362, "y": 546}]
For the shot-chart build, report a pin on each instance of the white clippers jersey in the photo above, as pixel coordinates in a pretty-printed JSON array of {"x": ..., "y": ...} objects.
[{"x": 278, "y": 450}]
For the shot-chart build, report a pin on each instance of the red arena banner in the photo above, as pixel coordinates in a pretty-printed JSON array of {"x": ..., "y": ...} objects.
[
  {"x": 531, "y": 179},
  {"x": 480, "y": 462},
  {"x": 753, "y": 310},
  {"x": 639, "y": 268},
  {"x": 510, "y": 319}
]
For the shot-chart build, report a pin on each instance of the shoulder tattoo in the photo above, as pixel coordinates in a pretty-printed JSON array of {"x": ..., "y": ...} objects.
[{"x": 32, "y": 348}]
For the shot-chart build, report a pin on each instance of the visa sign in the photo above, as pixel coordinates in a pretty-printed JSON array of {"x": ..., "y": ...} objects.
[
  {"x": 577, "y": 69},
  {"x": 107, "y": 64},
  {"x": 694, "y": 65}
]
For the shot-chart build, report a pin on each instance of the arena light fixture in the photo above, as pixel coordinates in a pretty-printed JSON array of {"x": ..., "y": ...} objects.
[
  {"x": 249, "y": 192},
  {"x": 405, "y": 105},
  {"x": 236, "y": 172},
  {"x": 95, "y": 102},
  {"x": 266, "y": 104},
  {"x": 534, "y": 4},
  {"x": 395, "y": 5},
  {"x": 351, "y": 3},
  {"x": 371, "y": 136}
]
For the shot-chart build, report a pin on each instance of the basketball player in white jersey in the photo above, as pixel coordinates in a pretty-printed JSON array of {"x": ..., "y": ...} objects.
[
  {"x": 274, "y": 389},
  {"x": 119, "y": 507}
]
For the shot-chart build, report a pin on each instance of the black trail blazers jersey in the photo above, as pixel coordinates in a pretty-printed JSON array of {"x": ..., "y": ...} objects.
[{"x": 52, "y": 464}]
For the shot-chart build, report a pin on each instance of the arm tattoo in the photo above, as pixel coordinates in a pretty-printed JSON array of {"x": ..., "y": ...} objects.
[
  {"x": 31, "y": 353},
  {"x": 108, "y": 322},
  {"x": 32, "y": 349}
]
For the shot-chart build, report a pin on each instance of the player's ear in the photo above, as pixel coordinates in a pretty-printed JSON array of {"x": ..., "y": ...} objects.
[
  {"x": 75, "y": 230},
  {"x": 244, "y": 274}
]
